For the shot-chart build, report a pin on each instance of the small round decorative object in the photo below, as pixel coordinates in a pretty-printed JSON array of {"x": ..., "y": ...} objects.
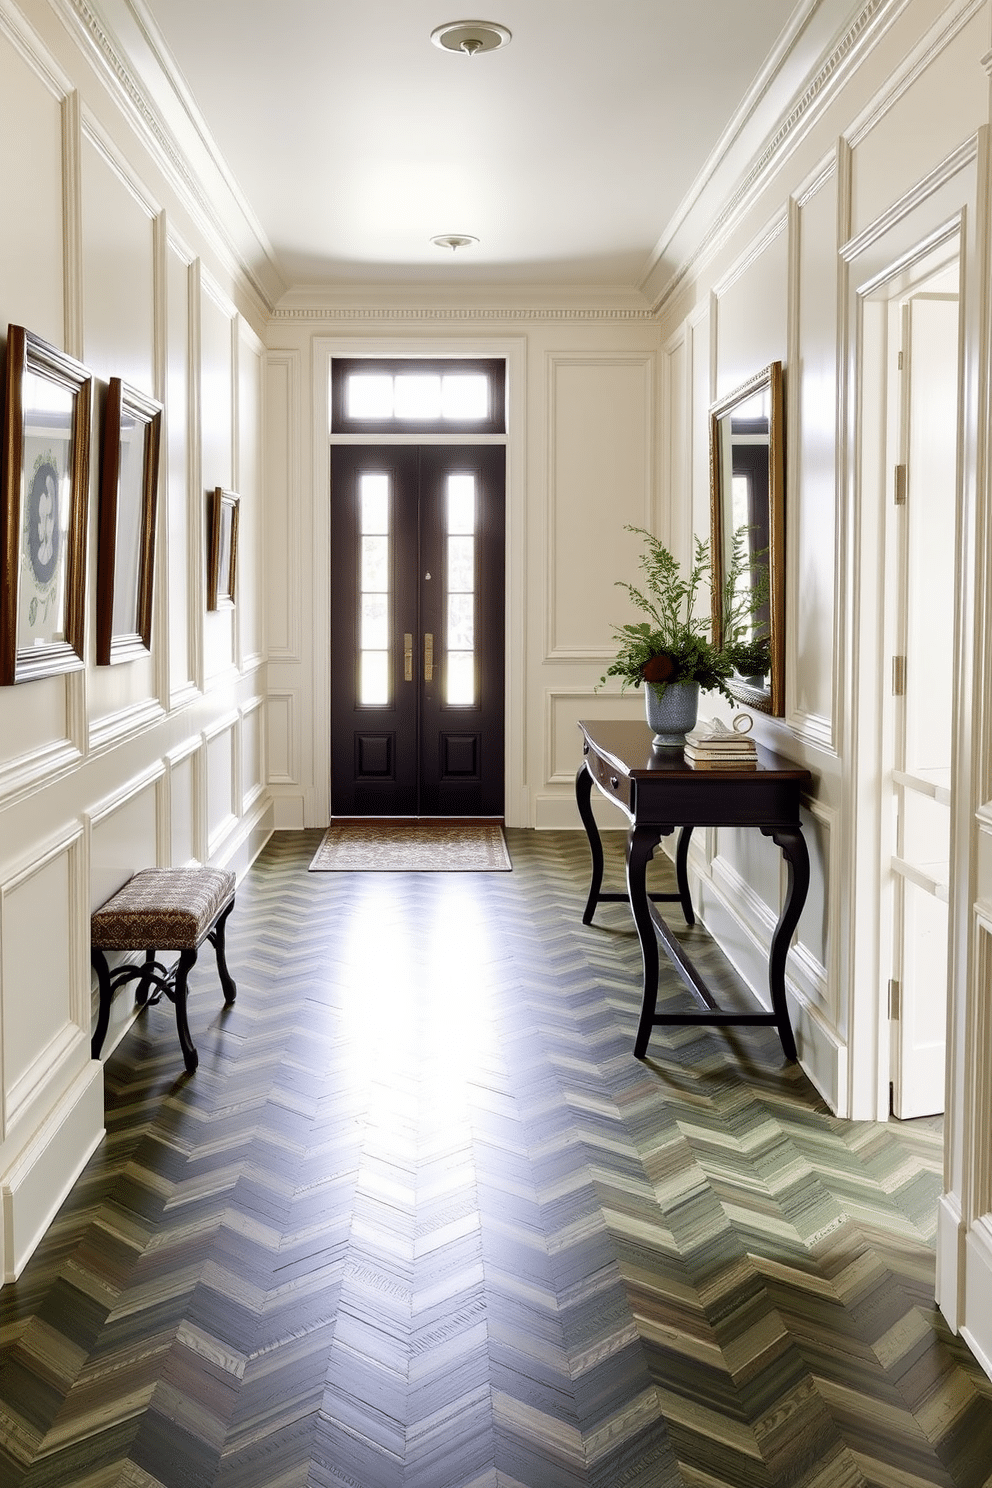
[{"x": 743, "y": 723}]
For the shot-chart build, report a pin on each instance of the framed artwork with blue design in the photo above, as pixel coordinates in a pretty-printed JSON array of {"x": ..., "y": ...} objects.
[{"x": 45, "y": 481}]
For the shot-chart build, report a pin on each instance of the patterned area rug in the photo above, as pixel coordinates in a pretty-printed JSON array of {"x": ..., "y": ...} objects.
[{"x": 375, "y": 845}]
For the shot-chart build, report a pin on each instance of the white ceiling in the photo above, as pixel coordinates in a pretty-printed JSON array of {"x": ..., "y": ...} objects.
[{"x": 566, "y": 153}]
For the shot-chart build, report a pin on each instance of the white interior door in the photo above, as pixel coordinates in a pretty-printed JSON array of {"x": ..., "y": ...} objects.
[{"x": 921, "y": 565}]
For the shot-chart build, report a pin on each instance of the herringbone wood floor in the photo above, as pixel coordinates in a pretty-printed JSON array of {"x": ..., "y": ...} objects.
[{"x": 420, "y": 1218}]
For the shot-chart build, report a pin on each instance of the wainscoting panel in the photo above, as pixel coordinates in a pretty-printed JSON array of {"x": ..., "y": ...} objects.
[{"x": 601, "y": 476}]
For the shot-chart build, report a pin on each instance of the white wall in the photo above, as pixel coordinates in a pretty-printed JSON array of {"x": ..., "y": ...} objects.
[{"x": 159, "y": 760}]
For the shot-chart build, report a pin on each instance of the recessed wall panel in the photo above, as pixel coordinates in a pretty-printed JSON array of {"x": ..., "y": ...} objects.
[
  {"x": 752, "y": 311},
  {"x": 31, "y": 251},
  {"x": 35, "y": 962},
  {"x": 601, "y": 478},
  {"x": 811, "y": 509},
  {"x": 118, "y": 269},
  {"x": 178, "y": 494},
  {"x": 250, "y": 588}
]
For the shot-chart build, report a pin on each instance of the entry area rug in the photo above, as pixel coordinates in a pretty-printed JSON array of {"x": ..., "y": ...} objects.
[{"x": 412, "y": 845}]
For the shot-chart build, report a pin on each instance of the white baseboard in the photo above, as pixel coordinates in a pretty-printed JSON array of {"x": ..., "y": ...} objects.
[{"x": 48, "y": 1166}]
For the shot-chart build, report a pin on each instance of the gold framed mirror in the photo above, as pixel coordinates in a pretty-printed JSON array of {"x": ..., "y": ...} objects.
[{"x": 747, "y": 504}]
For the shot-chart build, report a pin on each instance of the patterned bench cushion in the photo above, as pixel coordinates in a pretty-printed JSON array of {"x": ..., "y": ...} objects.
[{"x": 163, "y": 908}]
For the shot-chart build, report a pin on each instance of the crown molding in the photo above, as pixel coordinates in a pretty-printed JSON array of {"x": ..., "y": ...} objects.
[
  {"x": 404, "y": 302},
  {"x": 463, "y": 313},
  {"x": 710, "y": 213},
  {"x": 131, "y": 55}
]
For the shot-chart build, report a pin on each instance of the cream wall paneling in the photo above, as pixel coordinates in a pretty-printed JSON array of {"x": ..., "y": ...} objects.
[
  {"x": 119, "y": 268},
  {"x": 40, "y": 208},
  {"x": 185, "y": 810},
  {"x": 367, "y": 343},
  {"x": 178, "y": 574},
  {"x": 812, "y": 438},
  {"x": 251, "y": 487},
  {"x": 223, "y": 774},
  {"x": 921, "y": 112},
  {"x": 702, "y": 373},
  {"x": 44, "y": 936},
  {"x": 750, "y": 318},
  {"x": 282, "y": 515},
  {"x": 218, "y": 383},
  {"x": 601, "y": 420},
  {"x": 252, "y": 751},
  {"x": 676, "y": 467},
  {"x": 123, "y": 834},
  {"x": 281, "y": 730},
  {"x": 44, "y": 730},
  {"x": 218, "y": 451}
]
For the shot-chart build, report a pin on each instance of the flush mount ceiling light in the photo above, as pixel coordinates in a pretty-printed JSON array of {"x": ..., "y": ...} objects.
[
  {"x": 469, "y": 37},
  {"x": 454, "y": 241}
]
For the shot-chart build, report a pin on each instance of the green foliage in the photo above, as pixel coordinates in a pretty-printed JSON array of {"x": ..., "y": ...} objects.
[
  {"x": 749, "y": 658},
  {"x": 741, "y": 602},
  {"x": 673, "y": 644}
]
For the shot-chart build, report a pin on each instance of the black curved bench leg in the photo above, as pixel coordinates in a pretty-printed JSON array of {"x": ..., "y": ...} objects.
[
  {"x": 190, "y": 1057},
  {"x": 99, "y": 963},
  {"x": 217, "y": 940}
]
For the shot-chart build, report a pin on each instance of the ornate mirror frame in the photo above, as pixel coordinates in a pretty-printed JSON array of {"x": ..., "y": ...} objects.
[{"x": 747, "y": 440}]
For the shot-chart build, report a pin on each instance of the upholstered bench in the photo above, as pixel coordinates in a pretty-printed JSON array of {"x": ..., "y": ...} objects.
[{"x": 164, "y": 909}]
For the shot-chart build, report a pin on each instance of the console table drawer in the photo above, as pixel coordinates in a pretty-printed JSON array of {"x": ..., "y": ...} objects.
[{"x": 613, "y": 782}]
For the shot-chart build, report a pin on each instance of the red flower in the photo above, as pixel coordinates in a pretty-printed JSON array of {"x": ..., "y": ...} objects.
[{"x": 658, "y": 668}]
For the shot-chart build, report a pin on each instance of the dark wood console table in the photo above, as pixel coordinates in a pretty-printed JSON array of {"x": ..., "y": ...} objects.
[{"x": 658, "y": 791}]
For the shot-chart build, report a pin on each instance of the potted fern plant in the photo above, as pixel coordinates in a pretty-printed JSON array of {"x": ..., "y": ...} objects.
[{"x": 670, "y": 651}]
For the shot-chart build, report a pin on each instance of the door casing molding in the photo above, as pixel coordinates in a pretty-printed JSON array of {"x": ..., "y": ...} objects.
[{"x": 514, "y": 350}]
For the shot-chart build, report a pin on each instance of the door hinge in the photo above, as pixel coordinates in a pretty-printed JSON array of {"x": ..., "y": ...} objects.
[
  {"x": 895, "y": 999},
  {"x": 900, "y": 360},
  {"x": 898, "y": 676},
  {"x": 900, "y": 486}
]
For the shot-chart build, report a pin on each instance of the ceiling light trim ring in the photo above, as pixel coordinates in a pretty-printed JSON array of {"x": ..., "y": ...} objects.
[
  {"x": 470, "y": 37},
  {"x": 454, "y": 241}
]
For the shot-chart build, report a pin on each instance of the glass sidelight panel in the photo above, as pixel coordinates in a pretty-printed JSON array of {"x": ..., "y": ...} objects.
[
  {"x": 373, "y": 662},
  {"x": 460, "y": 688}
]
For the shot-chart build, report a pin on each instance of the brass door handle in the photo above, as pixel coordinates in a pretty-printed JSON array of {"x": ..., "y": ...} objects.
[
  {"x": 407, "y": 656},
  {"x": 428, "y": 657}
]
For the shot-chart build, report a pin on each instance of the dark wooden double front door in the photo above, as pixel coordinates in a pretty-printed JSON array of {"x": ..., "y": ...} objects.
[{"x": 417, "y": 617}]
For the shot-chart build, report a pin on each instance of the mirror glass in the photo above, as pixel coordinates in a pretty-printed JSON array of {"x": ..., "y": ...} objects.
[{"x": 747, "y": 507}]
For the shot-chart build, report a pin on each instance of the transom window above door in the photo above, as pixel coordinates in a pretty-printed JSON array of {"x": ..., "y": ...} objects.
[{"x": 441, "y": 396}]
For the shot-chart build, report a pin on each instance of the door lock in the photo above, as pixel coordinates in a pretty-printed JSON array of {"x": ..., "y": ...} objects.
[
  {"x": 407, "y": 656},
  {"x": 428, "y": 657}
]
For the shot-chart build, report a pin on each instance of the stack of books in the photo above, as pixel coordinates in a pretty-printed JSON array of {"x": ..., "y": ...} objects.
[{"x": 720, "y": 748}]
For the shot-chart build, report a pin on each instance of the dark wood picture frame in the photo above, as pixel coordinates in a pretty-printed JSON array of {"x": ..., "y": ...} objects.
[
  {"x": 733, "y": 434},
  {"x": 46, "y": 451},
  {"x": 132, "y": 431},
  {"x": 223, "y": 558}
]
